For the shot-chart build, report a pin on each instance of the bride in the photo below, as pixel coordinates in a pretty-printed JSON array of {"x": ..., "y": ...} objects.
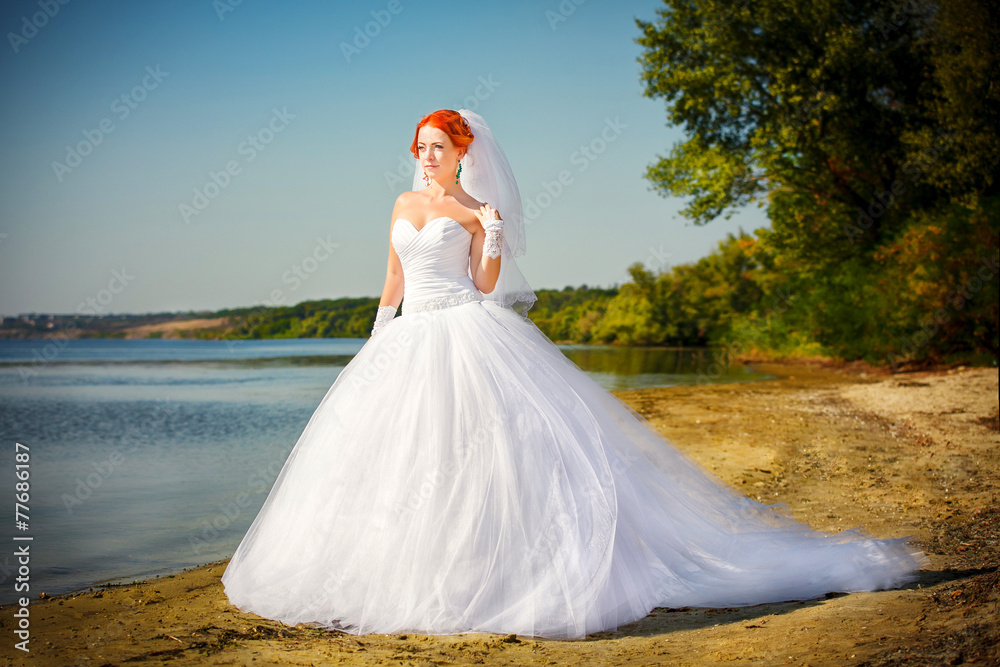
[{"x": 462, "y": 475}]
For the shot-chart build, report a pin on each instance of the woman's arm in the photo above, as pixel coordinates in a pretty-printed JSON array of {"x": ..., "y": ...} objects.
[
  {"x": 485, "y": 269},
  {"x": 392, "y": 292}
]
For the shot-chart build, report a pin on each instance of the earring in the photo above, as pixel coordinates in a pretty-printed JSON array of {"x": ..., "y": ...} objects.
[
  {"x": 459, "y": 173},
  {"x": 427, "y": 181}
]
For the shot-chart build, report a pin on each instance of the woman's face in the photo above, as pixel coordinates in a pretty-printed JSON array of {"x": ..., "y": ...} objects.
[{"x": 437, "y": 153}]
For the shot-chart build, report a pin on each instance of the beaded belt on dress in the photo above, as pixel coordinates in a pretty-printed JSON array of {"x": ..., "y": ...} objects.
[{"x": 438, "y": 302}]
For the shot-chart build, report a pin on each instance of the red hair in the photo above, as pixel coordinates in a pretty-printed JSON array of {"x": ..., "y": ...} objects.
[{"x": 448, "y": 121}]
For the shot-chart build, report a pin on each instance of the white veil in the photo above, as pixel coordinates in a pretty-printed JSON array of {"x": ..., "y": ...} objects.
[{"x": 487, "y": 176}]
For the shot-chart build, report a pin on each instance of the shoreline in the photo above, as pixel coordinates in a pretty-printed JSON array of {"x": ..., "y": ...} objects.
[
  {"x": 124, "y": 581},
  {"x": 842, "y": 445}
]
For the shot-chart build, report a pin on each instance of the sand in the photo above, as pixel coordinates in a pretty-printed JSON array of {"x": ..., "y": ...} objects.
[
  {"x": 843, "y": 446},
  {"x": 172, "y": 330}
]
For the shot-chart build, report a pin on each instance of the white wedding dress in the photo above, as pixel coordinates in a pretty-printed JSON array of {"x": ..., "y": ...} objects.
[{"x": 462, "y": 475}]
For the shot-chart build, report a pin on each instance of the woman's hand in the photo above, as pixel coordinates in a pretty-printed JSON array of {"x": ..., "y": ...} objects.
[
  {"x": 493, "y": 226},
  {"x": 487, "y": 215}
]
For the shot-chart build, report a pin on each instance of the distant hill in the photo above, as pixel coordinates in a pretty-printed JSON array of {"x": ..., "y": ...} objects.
[{"x": 556, "y": 310}]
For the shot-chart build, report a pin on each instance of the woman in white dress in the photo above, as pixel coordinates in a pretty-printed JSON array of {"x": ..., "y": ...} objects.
[{"x": 462, "y": 475}]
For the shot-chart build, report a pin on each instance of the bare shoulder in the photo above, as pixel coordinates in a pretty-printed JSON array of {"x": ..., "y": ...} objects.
[
  {"x": 477, "y": 206},
  {"x": 472, "y": 206},
  {"x": 404, "y": 199},
  {"x": 403, "y": 202},
  {"x": 470, "y": 221}
]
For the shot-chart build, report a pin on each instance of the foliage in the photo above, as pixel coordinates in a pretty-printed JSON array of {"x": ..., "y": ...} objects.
[
  {"x": 872, "y": 132},
  {"x": 326, "y": 318},
  {"x": 569, "y": 315}
]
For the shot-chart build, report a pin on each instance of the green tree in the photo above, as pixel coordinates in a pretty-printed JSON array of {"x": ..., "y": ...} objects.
[{"x": 870, "y": 129}]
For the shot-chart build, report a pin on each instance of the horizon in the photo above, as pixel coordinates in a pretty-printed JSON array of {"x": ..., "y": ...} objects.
[{"x": 210, "y": 312}]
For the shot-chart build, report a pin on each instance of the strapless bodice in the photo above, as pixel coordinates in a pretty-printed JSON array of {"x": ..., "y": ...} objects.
[{"x": 435, "y": 262}]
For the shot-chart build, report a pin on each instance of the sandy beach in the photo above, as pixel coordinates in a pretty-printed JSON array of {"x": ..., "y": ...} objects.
[{"x": 844, "y": 446}]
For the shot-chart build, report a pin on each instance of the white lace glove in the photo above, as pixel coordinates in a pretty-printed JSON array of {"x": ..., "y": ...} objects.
[
  {"x": 382, "y": 317},
  {"x": 494, "y": 237}
]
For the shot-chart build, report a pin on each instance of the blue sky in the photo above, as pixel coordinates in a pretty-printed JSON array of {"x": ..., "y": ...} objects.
[{"x": 116, "y": 112}]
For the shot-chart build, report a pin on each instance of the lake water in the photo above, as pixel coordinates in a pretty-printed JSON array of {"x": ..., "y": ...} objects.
[{"x": 138, "y": 448}]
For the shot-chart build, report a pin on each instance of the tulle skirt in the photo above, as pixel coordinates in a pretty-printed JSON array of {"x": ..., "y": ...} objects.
[{"x": 462, "y": 475}]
